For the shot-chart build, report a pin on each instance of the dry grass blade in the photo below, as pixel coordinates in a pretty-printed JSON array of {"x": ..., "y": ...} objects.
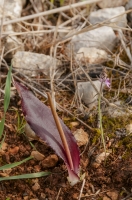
[
  {"x": 82, "y": 189},
  {"x": 50, "y": 12}
]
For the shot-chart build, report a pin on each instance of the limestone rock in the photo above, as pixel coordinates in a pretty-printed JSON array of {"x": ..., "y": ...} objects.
[
  {"x": 81, "y": 137},
  {"x": 108, "y": 13},
  {"x": 102, "y": 38},
  {"x": 129, "y": 15},
  {"x": 32, "y": 63},
  {"x": 10, "y": 10},
  {"x": 87, "y": 93},
  {"x": 37, "y": 155},
  {"x": 101, "y": 157},
  {"x": 111, "y": 4},
  {"x": 116, "y": 112},
  {"x": 91, "y": 55},
  {"x": 30, "y": 133},
  {"x": 3, "y": 148},
  {"x": 129, "y": 128}
]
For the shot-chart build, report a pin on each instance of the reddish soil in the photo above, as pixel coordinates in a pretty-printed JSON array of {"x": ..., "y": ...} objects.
[{"x": 109, "y": 180}]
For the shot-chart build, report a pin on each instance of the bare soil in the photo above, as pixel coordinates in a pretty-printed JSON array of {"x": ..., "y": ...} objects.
[{"x": 113, "y": 177}]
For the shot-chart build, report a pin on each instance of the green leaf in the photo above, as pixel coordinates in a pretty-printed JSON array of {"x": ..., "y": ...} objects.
[
  {"x": 9, "y": 166},
  {"x": 7, "y": 90},
  {"x": 2, "y": 126},
  {"x": 26, "y": 176}
]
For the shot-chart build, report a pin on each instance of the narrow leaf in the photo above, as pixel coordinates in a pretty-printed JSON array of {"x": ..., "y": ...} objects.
[
  {"x": 41, "y": 120},
  {"x": 7, "y": 90},
  {"x": 2, "y": 122},
  {"x": 9, "y": 166},
  {"x": 26, "y": 176}
]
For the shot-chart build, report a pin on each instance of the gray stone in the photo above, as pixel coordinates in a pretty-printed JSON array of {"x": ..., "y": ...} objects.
[
  {"x": 87, "y": 93},
  {"x": 81, "y": 137},
  {"x": 32, "y": 63},
  {"x": 102, "y": 38},
  {"x": 108, "y": 13},
  {"x": 30, "y": 133},
  {"x": 111, "y": 4},
  {"x": 116, "y": 112},
  {"x": 91, "y": 55},
  {"x": 129, "y": 15},
  {"x": 10, "y": 10},
  {"x": 37, "y": 155}
]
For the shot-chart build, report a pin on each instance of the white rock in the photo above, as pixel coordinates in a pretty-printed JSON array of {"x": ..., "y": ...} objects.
[
  {"x": 30, "y": 133},
  {"x": 3, "y": 148},
  {"x": 115, "y": 112},
  {"x": 108, "y": 13},
  {"x": 101, "y": 157},
  {"x": 91, "y": 55},
  {"x": 129, "y": 128},
  {"x": 37, "y": 155},
  {"x": 32, "y": 63},
  {"x": 10, "y": 10},
  {"x": 112, "y": 3},
  {"x": 129, "y": 15},
  {"x": 81, "y": 137},
  {"x": 102, "y": 38},
  {"x": 129, "y": 5},
  {"x": 87, "y": 93}
]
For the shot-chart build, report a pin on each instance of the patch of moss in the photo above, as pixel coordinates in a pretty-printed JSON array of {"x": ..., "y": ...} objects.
[
  {"x": 126, "y": 155},
  {"x": 110, "y": 124},
  {"x": 97, "y": 135}
]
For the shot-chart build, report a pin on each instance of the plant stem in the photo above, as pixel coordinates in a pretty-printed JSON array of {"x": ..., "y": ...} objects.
[
  {"x": 61, "y": 132},
  {"x": 100, "y": 120}
]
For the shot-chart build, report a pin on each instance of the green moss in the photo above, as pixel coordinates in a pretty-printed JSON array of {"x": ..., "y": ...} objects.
[
  {"x": 110, "y": 125},
  {"x": 97, "y": 135},
  {"x": 126, "y": 155}
]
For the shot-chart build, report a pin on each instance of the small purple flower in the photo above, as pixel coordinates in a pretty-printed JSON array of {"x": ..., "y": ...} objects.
[
  {"x": 106, "y": 82},
  {"x": 103, "y": 78}
]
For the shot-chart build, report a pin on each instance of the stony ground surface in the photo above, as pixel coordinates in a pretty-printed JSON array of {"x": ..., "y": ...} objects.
[{"x": 111, "y": 179}]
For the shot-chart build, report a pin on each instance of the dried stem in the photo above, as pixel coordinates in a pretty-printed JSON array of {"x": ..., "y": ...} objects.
[
  {"x": 50, "y": 12},
  {"x": 62, "y": 135}
]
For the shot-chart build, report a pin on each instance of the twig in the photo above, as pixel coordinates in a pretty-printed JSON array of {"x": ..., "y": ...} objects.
[
  {"x": 50, "y": 12},
  {"x": 127, "y": 197},
  {"x": 1, "y": 26},
  {"x": 89, "y": 127},
  {"x": 108, "y": 103},
  {"x": 58, "y": 194},
  {"x": 81, "y": 189},
  {"x": 37, "y": 11}
]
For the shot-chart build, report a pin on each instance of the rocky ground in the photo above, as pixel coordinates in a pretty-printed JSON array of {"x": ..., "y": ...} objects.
[{"x": 65, "y": 52}]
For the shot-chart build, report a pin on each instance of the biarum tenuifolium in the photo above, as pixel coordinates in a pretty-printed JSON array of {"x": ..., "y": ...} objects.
[
  {"x": 42, "y": 122},
  {"x": 103, "y": 78}
]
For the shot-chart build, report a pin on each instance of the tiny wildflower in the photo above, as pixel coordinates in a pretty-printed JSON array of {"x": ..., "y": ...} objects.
[{"x": 104, "y": 78}]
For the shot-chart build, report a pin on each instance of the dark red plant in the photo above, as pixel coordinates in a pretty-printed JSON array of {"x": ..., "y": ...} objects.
[{"x": 41, "y": 120}]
